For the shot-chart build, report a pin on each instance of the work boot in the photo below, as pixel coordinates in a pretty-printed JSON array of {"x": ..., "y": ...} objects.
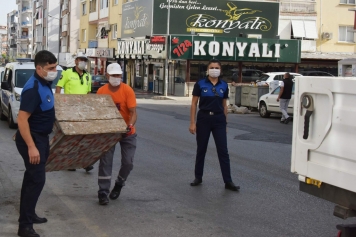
[
  {"x": 196, "y": 182},
  {"x": 103, "y": 199},
  {"x": 115, "y": 192},
  {"x": 89, "y": 168}
]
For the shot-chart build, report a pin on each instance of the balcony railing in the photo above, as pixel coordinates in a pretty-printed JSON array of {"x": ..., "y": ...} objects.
[
  {"x": 26, "y": 23},
  {"x": 25, "y": 9},
  {"x": 297, "y": 6}
]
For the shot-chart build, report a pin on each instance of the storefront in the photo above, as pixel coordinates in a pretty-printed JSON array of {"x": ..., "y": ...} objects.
[
  {"x": 99, "y": 59},
  {"x": 144, "y": 62}
]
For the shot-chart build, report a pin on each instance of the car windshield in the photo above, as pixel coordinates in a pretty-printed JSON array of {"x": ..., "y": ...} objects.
[
  {"x": 99, "y": 78},
  {"x": 22, "y": 76},
  {"x": 264, "y": 77}
]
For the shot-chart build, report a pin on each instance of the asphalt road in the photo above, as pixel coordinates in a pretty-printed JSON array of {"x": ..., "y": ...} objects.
[{"x": 158, "y": 200}]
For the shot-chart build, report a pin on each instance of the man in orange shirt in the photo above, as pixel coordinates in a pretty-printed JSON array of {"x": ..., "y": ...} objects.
[{"x": 125, "y": 100}]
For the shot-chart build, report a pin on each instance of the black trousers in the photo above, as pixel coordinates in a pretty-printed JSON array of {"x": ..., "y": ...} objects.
[
  {"x": 34, "y": 177},
  {"x": 215, "y": 124}
]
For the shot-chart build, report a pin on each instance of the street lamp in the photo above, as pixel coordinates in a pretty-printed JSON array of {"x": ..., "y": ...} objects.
[{"x": 167, "y": 54}]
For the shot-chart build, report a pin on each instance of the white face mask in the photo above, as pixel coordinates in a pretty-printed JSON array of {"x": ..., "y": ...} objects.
[
  {"x": 82, "y": 65},
  {"x": 114, "y": 81},
  {"x": 50, "y": 75},
  {"x": 214, "y": 73}
]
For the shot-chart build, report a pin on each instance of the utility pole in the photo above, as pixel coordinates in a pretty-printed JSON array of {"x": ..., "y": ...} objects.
[{"x": 166, "y": 61}]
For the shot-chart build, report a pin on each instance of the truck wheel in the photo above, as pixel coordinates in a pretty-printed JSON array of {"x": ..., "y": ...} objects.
[
  {"x": 263, "y": 110},
  {"x": 10, "y": 120},
  {"x": 2, "y": 116}
]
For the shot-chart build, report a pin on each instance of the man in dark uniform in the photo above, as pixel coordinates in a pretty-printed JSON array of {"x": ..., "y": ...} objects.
[
  {"x": 35, "y": 121},
  {"x": 212, "y": 93},
  {"x": 285, "y": 94}
]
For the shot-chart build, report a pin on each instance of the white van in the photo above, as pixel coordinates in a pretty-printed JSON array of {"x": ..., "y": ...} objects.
[
  {"x": 2, "y": 72},
  {"x": 15, "y": 77}
]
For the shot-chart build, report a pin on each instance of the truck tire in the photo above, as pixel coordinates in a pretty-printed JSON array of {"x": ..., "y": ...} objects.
[
  {"x": 263, "y": 110},
  {"x": 2, "y": 116},
  {"x": 10, "y": 120}
]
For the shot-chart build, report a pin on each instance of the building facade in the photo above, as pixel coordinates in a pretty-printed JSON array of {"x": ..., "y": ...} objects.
[
  {"x": 70, "y": 38},
  {"x": 24, "y": 28},
  {"x": 12, "y": 24},
  {"x": 3, "y": 44}
]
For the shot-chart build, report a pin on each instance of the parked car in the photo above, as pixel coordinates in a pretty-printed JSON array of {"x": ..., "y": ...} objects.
[
  {"x": 97, "y": 81},
  {"x": 15, "y": 77},
  {"x": 248, "y": 75},
  {"x": 268, "y": 104},
  {"x": 267, "y": 78},
  {"x": 316, "y": 73}
]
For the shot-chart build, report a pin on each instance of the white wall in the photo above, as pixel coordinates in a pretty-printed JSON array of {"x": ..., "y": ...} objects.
[
  {"x": 53, "y": 40},
  {"x": 74, "y": 26}
]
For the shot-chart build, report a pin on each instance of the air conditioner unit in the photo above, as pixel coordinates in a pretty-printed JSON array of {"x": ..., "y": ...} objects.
[{"x": 327, "y": 35}]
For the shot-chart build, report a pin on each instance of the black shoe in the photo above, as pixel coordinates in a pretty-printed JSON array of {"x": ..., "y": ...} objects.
[
  {"x": 196, "y": 182},
  {"x": 27, "y": 232},
  {"x": 103, "y": 199},
  {"x": 115, "y": 192},
  {"x": 282, "y": 121},
  {"x": 72, "y": 169},
  {"x": 89, "y": 168},
  {"x": 38, "y": 220},
  {"x": 287, "y": 120},
  {"x": 231, "y": 186}
]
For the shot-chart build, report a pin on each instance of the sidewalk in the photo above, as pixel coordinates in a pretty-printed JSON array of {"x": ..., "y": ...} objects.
[{"x": 140, "y": 94}]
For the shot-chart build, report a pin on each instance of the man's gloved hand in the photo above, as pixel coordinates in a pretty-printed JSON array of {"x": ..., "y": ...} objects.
[{"x": 129, "y": 130}]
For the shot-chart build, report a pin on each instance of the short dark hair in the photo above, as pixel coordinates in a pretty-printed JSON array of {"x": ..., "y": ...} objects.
[
  {"x": 44, "y": 57},
  {"x": 214, "y": 61},
  {"x": 287, "y": 75}
]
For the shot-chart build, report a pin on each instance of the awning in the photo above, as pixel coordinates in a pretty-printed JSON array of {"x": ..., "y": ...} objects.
[
  {"x": 284, "y": 29},
  {"x": 310, "y": 30},
  {"x": 298, "y": 29}
]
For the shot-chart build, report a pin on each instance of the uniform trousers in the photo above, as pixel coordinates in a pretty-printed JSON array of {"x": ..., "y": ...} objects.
[
  {"x": 128, "y": 148},
  {"x": 215, "y": 124},
  {"x": 34, "y": 177}
]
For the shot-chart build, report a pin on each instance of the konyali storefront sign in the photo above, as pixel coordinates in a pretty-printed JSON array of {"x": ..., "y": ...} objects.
[
  {"x": 234, "y": 49},
  {"x": 140, "y": 47},
  {"x": 218, "y": 17}
]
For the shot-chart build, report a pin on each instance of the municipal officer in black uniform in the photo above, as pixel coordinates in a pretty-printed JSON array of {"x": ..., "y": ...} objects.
[
  {"x": 211, "y": 93},
  {"x": 35, "y": 122}
]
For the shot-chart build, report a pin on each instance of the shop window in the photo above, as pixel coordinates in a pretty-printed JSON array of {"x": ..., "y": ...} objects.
[{"x": 346, "y": 34}]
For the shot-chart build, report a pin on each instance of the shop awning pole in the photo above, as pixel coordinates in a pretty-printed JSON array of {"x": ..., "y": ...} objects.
[{"x": 166, "y": 61}]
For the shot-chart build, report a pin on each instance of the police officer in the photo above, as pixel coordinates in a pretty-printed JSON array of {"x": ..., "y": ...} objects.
[
  {"x": 35, "y": 121},
  {"x": 76, "y": 80},
  {"x": 212, "y": 93}
]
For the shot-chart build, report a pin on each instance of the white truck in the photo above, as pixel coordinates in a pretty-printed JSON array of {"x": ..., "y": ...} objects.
[{"x": 324, "y": 142}]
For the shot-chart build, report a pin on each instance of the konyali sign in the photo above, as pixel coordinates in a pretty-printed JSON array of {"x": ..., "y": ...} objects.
[
  {"x": 234, "y": 49},
  {"x": 140, "y": 47},
  {"x": 218, "y": 17}
]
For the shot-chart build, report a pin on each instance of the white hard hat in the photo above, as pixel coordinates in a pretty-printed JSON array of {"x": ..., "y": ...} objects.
[{"x": 114, "y": 69}]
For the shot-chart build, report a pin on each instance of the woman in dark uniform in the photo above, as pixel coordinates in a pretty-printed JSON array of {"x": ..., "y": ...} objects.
[{"x": 211, "y": 92}]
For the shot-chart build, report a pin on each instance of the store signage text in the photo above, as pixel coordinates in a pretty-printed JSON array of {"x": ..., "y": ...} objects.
[
  {"x": 138, "y": 47},
  {"x": 100, "y": 52},
  {"x": 158, "y": 40},
  {"x": 227, "y": 49},
  {"x": 181, "y": 48}
]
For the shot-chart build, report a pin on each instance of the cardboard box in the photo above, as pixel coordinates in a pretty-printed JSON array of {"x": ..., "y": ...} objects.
[{"x": 86, "y": 127}]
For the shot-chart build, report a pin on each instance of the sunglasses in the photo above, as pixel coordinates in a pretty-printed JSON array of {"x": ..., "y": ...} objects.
[{"x": 215, "y": 92}]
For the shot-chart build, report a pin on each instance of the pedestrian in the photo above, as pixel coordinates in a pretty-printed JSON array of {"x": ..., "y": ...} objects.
[
  {"x": 284, "y": 96},
  {"x": 35, "y": 121},
  {"x": 125, "y": 100},
  {"x": 76, "y": 80},
  {"x": 212, "y": 93}
]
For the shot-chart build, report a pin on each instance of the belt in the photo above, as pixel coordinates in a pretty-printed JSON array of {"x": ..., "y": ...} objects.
[{"x": 210, "y": 112}]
